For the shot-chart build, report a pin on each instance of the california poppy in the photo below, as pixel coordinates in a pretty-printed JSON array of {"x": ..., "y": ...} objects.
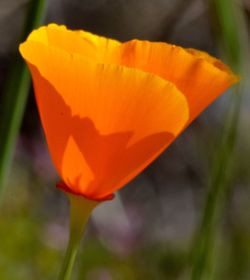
[{"x": 109, "y": 109}]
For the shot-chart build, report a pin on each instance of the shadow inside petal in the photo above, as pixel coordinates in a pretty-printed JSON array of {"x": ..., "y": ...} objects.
[{"x": 88, "y": 161}]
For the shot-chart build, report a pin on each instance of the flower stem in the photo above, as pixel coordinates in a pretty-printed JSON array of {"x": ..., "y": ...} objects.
[
  {"x": 69, "y": 259},
  {"x": 80, "y": 210}
]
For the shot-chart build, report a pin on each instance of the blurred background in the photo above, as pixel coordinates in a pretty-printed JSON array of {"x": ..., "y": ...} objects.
[{"x": 149, "y": 230}]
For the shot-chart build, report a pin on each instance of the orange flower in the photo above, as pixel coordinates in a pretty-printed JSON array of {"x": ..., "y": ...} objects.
[{"x": 109, "y": 109}]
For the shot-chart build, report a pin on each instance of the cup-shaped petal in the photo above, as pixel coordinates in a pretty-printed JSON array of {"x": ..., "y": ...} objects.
[
  {"x": 104, "y": 123},
  {"x": 108, "y": 108}
]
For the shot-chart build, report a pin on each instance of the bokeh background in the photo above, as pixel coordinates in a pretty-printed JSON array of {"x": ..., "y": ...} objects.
[{"x": 149, "y": 230}]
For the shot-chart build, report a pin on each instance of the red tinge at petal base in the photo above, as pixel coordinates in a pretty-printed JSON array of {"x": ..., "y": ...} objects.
[{"x": 62, "y": 186}]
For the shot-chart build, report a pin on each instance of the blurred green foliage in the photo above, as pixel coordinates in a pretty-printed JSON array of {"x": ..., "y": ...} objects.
[
  {"x": 232, "y": 37},
  {"x": 31, "y": 250},
  {"x": 15, "y": 94}
]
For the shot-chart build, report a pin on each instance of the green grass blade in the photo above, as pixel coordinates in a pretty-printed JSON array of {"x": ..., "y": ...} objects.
[
  {"x": 228, "y": 18},
  {"x": 15, "y": 95}
]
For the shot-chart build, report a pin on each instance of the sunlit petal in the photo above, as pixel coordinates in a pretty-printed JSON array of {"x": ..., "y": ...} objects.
[{"x": 103, "y": 123}]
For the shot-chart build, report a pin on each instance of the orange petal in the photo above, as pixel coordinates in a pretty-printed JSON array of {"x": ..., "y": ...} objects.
[
  {"x": 103, "y": 123},
  {"x": 93, "y": 47},
  {"x": 200, "y": 77}
]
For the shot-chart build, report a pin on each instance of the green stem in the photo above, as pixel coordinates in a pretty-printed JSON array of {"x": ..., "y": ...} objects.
[
  {"x": 15, "y": 95},
  {"x": 80, "y": 210},
  {"x": 69, "y": 258}
]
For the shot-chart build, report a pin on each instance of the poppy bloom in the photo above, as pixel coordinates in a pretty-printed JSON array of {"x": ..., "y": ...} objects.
[{"x": 109, "y": 109}]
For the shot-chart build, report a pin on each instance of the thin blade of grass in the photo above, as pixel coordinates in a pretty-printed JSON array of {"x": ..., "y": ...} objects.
[
  {"x": 228, "y": 18},
  {"x": 15, "y": 95}
]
